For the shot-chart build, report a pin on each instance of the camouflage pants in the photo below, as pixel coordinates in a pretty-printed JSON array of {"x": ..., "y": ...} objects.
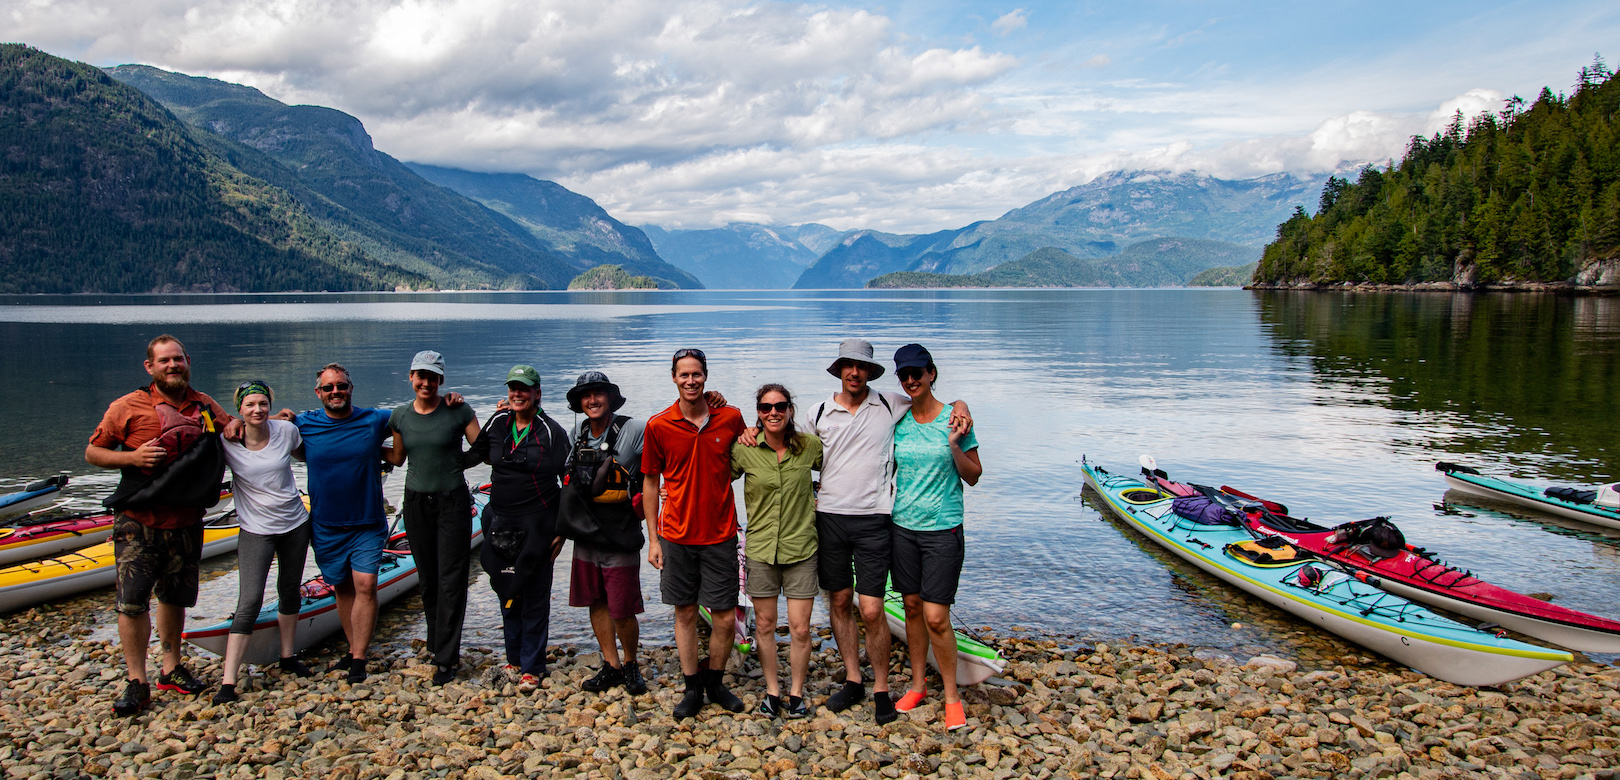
[{"x": 155, "y": 560}]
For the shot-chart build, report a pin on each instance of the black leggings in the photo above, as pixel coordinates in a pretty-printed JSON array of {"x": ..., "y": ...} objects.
[{"x": 253, "y": 554}]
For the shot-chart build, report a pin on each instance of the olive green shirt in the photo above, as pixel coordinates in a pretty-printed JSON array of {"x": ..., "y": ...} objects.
[
  {"x": 780, "y": 498},
  {"x": 433, "y": 444}
]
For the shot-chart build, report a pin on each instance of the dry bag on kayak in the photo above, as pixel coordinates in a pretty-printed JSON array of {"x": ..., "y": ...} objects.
[
  {"x": 1203, "y": 510},
  {"x": 1270, "y": 551}
]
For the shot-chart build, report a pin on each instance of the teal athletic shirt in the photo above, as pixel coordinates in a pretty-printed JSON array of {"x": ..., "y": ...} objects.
[{"x": 928, "y": 491}]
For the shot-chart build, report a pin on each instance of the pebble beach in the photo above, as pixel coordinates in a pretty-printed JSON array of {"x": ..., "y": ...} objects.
[{"x": 1064, "y": 708}]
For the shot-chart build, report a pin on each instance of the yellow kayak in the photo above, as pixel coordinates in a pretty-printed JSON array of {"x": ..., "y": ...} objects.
[{"x": 38, "y": 582}]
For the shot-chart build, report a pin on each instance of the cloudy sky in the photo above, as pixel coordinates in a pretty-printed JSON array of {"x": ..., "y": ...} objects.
[{"x": 907, "y": 116}]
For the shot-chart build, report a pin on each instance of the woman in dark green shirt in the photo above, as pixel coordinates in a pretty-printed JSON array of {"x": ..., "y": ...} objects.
[{"x": 781, "y": 539}]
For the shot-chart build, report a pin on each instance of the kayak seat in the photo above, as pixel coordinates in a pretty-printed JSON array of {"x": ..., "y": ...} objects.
[
  {"x": 1270, "y": 552},
  {"x": 1572, "y": 495}
]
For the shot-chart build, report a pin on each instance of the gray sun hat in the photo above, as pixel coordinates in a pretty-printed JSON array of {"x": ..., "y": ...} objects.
[
  {"x": 428, "y": 360},
  {"x": 589, "y": 381},
  {"x": 859, "y": 351}
]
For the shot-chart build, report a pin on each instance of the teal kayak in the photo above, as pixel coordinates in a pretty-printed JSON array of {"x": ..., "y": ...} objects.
[
  {"x": 1466, "y": 480},
  {"x": 1321, "y": 594}
]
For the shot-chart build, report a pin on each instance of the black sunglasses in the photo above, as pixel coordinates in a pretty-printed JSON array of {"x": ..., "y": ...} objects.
[
  {"x": 342, "y": 387},
  {"x": 686, "y": 353},
  {"x": 909, "y": 373},
  {"x": 780, "y": 406}
]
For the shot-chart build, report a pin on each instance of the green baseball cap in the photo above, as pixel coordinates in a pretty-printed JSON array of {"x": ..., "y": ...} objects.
[{"x": 523, "y": 375}]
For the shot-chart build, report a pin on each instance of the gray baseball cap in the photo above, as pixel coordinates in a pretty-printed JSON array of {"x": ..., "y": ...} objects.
[{"x": 428, "y": 360}]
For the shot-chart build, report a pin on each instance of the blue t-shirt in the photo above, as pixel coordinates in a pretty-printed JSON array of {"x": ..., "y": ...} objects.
[
  {"x": 927, "y": 489},
  {"x": 343, "y": 459}
]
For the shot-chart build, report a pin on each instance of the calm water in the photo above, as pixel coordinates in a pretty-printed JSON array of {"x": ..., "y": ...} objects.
[{"x": 1336, "y": 404}]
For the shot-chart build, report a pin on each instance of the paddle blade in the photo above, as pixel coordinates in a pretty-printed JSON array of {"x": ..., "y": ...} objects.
[{"x": 1148, "y": 463}]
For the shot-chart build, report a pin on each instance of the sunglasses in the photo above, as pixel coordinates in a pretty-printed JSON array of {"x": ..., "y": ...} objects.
[
  {"x": 909, "y": 373},
  {"x": 779, "y": 406},
  {"x": 341, "y": 387},
  {"x": 693, "y": 353}
]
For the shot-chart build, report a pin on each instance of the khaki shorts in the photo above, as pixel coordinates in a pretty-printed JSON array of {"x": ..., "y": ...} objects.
[{"x": 794, "y": 580}]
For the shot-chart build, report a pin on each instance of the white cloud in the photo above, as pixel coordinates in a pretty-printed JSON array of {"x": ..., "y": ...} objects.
[
  {"x": 1010, "y": 22},
  {"x": 1099, "y": 61}
]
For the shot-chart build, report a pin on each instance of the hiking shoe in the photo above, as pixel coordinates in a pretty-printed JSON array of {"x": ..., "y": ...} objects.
[
  {"x": 180, "y": 680},
  {"x": 226, "y": 694},
  {"x": 633, "y": 683},
  {"x": 851, "y": 694},
  {"x": 882, "y": 708},
  {"x": 528, "y": 683},
  {"x": 796, "y": 708},
  {"x": 357, "y": 671},
  {"x": 443, "y": 673},
  {"x": 912, "y": 700},
  {"x": 296, "y": 667},
  {"x": 508, "y": 673},
  {"x": 715, "y": 687},
  {"x": 606, "y": 677},
  {"x": 954, "y": 717},
  {"x": 771, "y": 706},
  {"x": 135, "y": 697}
]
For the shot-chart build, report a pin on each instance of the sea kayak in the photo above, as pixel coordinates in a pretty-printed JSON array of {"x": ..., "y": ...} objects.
[
  {"x": 32, "y": 497},
  {"x": 317, "y": 610},
  {"x": 1321, "y": 595},
  {"x": 37, "y": 538},
  {"x": 37, "y": 582},
  {"x": 975, "y": 660},
  {"x": 1466, "y": 480}
]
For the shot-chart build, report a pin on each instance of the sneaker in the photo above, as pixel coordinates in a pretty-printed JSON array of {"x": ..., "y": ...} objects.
[
  {"x": 508, "y": 673},
  {"x": 180, "y": 680},
  {"x": 692, "y": 701},
  {"x": 528, "y": 683},
  {"x": 954, "y": 717},
  {"x": 633, "y": 683},
  {"x": 771, "y": 706},
  {"x": 851, "y": 694},
  {"x": 296, "y": 667},
  {"x": 796, "y": 708},
  {"x": 443, "y": 673},
  {"x": 357, "y": 671},
  {"x": 882, "y": 708},
  {"x": 912, "y": 700},
  {"x": 226, "y": 694},
  {"x": 606, "y": 677},
  {"x": 715, "y": 687},
  {"x": 135, "y": 697}
]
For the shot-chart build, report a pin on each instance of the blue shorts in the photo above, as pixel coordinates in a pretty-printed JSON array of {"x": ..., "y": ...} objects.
[{"x": 340, "y": 550}]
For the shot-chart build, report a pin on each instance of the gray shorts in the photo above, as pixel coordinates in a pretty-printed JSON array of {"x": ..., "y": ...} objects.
[
  {"x": 703, "y": 574},
  {"x": 794, "y": 580}
]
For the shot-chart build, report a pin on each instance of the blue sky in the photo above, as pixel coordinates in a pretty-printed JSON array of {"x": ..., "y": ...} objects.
[{"x": 903, "y": 116}]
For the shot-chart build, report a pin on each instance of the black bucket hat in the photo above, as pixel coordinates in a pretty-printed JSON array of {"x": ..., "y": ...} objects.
[{"x": 589, "y": 381}]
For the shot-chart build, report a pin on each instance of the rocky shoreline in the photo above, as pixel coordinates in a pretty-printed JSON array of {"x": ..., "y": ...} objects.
[
  {"x": 1563, "y": 288},
  {"x": 1064, "y": 709}
]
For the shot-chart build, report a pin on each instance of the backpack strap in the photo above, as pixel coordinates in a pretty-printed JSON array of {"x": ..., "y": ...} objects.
[
  {"x": 886, "y": 406},
  {"x": 820, "y": 410},
  {"x": 611, "y": 438}
]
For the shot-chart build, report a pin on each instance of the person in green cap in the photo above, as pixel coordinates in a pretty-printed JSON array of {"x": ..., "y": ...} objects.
[
  {"x": 526, "y": 451},
  {"x": 437, "y": 507}
]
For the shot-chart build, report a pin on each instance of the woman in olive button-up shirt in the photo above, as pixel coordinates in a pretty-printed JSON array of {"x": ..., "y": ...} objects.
[{"x": 781, "y": 539}]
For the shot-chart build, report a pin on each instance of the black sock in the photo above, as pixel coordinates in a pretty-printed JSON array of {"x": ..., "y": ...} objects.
[
  {"x": 694, "y": 682},
  {"x": 881, "y": 699}
]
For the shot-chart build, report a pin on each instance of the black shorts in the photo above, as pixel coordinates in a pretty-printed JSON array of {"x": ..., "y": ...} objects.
[
  {"x": 704, "y": 574},
  {"x": 155, "y": 560},
  {"x": 928, "y": 563},
  {"x": 853, "y": 544}
]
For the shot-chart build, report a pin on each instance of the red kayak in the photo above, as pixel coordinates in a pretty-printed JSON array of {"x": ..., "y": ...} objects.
[
  {"x": 1378, "y": 554},
  {"x": 33, "y": 539}
]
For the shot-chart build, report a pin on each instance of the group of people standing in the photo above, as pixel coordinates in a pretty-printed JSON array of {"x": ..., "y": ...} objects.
[{"x": 888, "y": 504}]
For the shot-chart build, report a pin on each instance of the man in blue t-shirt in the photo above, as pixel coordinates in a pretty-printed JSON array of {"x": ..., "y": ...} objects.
[{"x": 343, "y": 453}]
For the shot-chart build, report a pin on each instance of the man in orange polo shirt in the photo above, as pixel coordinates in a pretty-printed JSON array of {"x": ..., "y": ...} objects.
[
  {"x": 693, "y": 540},
  {"x": 158, "y": 436}
]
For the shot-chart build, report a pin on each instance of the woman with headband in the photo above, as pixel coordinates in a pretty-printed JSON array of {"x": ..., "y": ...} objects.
[{"x": 274, "y": 524}]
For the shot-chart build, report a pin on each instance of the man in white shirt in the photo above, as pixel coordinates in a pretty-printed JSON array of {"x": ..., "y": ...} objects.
[{"x": 853, "y": 514}]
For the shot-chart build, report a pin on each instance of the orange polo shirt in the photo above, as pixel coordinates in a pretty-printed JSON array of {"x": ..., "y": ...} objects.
[
  {"x": 696, "y": 468},
  {"x": 134, "y": 420}
]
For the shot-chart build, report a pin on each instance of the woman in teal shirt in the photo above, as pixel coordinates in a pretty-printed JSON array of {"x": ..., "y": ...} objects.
[{"x": 932, "y": 459}]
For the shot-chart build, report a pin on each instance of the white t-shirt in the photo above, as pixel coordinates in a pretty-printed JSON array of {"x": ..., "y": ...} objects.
[
  {"x": 857, "y": 453},
  {"x": 267, "y": 500}
]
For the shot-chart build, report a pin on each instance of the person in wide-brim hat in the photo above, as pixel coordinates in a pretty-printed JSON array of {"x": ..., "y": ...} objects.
[
  {"x": 591, "y": 381},
  {"x": 857, "y": 351}
]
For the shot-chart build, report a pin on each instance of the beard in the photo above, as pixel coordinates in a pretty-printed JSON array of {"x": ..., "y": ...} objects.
[
  {"x": 339, "y": 407},
  {"x": 173, "y": 381}
]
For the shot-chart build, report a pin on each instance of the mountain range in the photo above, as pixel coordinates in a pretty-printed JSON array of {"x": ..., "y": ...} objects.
[
  {"x": 745, "y": 255},
  {"x": 1161, "y": 262}
]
